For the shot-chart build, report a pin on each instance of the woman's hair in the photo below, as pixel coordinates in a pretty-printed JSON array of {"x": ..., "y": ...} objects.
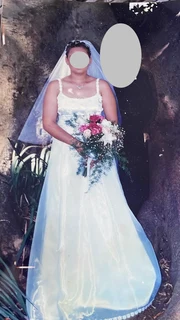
[{"x": 75, "y": 44}]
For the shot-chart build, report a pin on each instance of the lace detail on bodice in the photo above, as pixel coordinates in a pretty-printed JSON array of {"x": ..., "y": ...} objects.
[{"x": 88, "y": 105}]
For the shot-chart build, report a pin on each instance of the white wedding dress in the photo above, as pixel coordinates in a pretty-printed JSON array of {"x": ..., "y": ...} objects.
[{"x": 90, "y": 258}]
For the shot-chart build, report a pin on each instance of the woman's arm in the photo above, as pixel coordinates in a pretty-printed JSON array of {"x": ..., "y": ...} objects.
[
  {"x": 109, "y": 101},
  {"x": 49, "y": 117}
]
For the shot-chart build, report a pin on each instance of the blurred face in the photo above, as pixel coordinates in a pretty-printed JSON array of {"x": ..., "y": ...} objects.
[{"x": 78, "y": 60}]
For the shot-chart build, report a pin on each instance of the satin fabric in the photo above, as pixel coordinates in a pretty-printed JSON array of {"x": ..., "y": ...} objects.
[{"x": 91, "y": 257}]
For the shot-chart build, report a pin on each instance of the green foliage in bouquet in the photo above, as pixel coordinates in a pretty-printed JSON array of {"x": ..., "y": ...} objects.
[
  {"x": 103, "y": 157},
  {"x": 102, "y": 141},
  {"x": 29, "y": 164}
]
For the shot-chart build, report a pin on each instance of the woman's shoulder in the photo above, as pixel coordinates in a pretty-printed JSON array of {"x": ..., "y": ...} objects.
[
  {"x": 54, "y": 83},
  {"x": 101, "y": 81},
  {"x": 103, "y": 84},
  {"x": 53, "y": 87}
]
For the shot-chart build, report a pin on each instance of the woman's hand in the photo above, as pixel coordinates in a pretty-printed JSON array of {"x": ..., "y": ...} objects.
[
  {"x": 78, "y": 145},
  {"x": 80, "y": 151},
  {"x": 93, "y": 162},
  {"x": 79, "y": 148}
]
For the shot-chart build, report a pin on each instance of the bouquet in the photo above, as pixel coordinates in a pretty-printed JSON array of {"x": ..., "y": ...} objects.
[{"x": 102, "y": 143}]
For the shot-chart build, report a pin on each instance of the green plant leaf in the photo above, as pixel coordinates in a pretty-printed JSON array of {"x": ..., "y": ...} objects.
[
  {"x": 10, "y": 303},
  {"x": 26, "y": 236},
  {"x": 7, "y": 314},
  {"x": 13, "y": 293}
]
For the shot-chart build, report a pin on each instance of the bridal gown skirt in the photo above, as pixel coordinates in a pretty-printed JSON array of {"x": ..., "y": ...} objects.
[{"x": 90, "y": 258}]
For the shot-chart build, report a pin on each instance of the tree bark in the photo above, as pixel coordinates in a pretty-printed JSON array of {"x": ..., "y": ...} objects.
[{"x": 160, "y": 214}]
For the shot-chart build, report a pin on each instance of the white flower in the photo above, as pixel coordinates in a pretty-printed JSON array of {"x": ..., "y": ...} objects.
[
  {"x": 114, "y": 128},
  {"x": 106, "y": 123},
  {"x": 106, "y": 130},
  {"x": 108, "y": 138},
  {"x": 87, "y": 133}
]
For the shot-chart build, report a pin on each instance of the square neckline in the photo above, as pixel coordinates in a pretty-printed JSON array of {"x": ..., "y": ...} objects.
[
  {"x": 76, "y": 98},
  {"x": 61, "y": 93}
]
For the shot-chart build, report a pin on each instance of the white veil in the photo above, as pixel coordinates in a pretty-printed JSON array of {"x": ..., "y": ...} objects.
[{"x": 32, "y": 131}]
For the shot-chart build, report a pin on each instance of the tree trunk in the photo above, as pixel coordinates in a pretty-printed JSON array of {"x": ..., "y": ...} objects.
[{"x": 160, "y": 214}]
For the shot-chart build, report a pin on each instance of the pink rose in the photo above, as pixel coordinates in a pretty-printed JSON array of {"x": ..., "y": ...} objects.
[
  {"x": 96, "y": 118},
  {"x": 95, "y": 129},
  {"x": 83, "y": 127}
]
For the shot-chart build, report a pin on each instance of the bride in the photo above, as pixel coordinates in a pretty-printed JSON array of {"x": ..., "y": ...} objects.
[{"x": 90, "y": 258}]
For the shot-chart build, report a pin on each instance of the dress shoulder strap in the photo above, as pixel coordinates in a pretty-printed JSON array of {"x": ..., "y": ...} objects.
[
  {"x": 97, "y": 85},
  {"x": 60, "y": 85}
]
